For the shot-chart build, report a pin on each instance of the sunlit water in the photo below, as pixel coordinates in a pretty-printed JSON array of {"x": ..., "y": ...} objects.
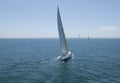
[{"x": 34, "y": 61}]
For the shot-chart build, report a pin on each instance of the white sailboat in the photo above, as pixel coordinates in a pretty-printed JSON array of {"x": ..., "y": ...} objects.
[
  {"x": 88, "y": 37},
  {"x": 79, "y": 36},
  {"x": 66, "y": 54}
]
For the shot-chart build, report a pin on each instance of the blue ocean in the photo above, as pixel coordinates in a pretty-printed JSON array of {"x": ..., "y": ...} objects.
[{"x": 34, "y": 61}]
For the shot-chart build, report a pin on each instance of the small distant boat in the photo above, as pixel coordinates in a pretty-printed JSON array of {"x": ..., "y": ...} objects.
[
  {"x": 88, "y": 37},
  {"x": 66, "y": 54},
  {"x": 79, "y": 36}
]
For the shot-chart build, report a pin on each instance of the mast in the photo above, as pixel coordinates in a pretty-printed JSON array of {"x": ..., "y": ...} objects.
[{"x": 62, "y": 38}]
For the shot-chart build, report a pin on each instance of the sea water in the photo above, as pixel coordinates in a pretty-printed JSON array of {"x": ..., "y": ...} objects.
[{"x": 34, "y": 61}]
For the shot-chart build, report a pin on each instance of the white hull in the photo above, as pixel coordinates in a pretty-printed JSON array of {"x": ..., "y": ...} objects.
[{"x": 65, "y": 57}]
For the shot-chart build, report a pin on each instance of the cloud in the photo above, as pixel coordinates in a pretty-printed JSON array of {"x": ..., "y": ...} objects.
[{"x": 108, "y": 28}]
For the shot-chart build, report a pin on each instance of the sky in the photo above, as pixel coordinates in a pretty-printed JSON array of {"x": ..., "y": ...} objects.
[{"x": 38, "y": 18}]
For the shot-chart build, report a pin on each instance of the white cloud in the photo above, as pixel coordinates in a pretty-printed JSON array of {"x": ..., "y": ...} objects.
[{"x": 108, "y": 28}]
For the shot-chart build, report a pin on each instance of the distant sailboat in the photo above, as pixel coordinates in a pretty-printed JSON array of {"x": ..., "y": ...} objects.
[
  {"x": 66, "y": 54},
  {"x": 88, "y": 37},
  {"x": 79, "y": 36}
]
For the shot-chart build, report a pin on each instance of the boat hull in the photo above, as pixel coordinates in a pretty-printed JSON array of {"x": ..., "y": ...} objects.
[{"x": 66, "y": 57}]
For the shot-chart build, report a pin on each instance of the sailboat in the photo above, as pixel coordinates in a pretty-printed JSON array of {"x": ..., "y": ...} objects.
[
  {"x": 88, "y": 37},
  {"x": 66, "y": 53},
  {"x": 79, "y": 36}
]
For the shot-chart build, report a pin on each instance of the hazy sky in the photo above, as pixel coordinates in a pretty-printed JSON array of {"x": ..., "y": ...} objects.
[{"x": 38, "y": 18}]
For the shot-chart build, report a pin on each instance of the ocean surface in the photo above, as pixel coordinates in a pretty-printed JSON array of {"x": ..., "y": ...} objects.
[{"x": 34, "y": 61}]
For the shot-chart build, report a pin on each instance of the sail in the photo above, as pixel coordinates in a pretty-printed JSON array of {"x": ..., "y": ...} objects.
[{"x": 62, "y": 38}]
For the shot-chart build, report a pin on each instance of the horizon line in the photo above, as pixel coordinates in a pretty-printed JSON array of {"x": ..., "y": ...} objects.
[{"x": 58, "y": 38}]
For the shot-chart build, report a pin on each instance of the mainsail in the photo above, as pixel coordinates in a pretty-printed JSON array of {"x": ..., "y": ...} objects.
[{"x": 63, "y": 42}]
